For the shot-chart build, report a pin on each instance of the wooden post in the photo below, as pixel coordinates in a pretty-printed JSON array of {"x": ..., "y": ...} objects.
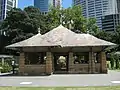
[
  {"x": 91, "y": 62},
  {"x": 21, "y": 64},
  {"x": 103, "y": 62},
  {"x": 49, "y": 63}
]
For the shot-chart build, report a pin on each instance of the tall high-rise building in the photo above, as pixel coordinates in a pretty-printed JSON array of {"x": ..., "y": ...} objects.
[
  {"x": 97, "y": 8},
  {"x": 57, "y": 3},
  {"x": 110, "y": 22},
  {"x": 44, "y": 5},
  {"x": 118, "y": 5},
  {"x": 6, "y": 5}
]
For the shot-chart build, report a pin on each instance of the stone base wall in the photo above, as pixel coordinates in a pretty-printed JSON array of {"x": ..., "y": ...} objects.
[
  {"x": 97, "y": 68},
  {"x": 75, "y": 69},
  {"x": 78, "y": 68},
  {"x": 83, "y": 68},
  {"x": 34, "y": 69}
]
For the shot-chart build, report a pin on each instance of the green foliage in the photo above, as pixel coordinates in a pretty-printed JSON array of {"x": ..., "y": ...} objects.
[
  {"x": 92, "y": 27},
  {"x": 104, "y": 35},
  {"x": 78, "y": 19},
  {"x": 22, "y": 24},
  {"x": 116, "y": 37},
  {"x": 110, "y": 36},
  {"x": 117, "y": 61},
  {"x": 71, "y": 16},
  {"x": 53, "y": 17},
  {"x": 114, "y": 61},
  {"x": 6, "y": 67}
]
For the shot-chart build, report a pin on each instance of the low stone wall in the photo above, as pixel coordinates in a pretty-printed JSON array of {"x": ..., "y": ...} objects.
[
  {"x": 78, "y": 68},
  {"x": 83, "y": 68},
  {"x": 97, "y": 68},
  {"x": 34, "y": 69}
]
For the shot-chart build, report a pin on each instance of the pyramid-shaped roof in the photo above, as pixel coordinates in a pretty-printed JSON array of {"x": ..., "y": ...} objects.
[{"x": 63, "y": 37}]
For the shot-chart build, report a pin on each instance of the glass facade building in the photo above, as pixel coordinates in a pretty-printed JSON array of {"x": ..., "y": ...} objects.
[
  {"x": 57, "y": 3},
  {"x": 97, "y": 8},
  {"x": 6, "y": 5},
  {"x": 118, "y": 5},
  {"x": 110, "y": 22},
  {"x": 44, "y": 5}
]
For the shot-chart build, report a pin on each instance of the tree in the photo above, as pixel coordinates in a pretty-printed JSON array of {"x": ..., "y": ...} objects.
[
  {"x": 92, "y": 27},
  {"x": 79, "y": 22},
  {"x": 104, "y": 35},
  {"x": 53, "y": 17},
  {"x": 22, "y": 24},
  {"x": 34, "y": 16},
  {"x": 13, "y": 23},
  {"x": 116, "y": 37},
  {"x": 39, "y": 20},
  {"x": 71, "y": 16}
]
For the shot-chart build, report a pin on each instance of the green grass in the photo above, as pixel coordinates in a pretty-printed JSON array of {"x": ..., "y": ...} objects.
[{"x": 61, "y": 88}]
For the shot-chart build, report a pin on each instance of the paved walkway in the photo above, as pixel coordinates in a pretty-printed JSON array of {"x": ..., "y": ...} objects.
[
  {"x": 112, "y": 78},
  {"x": 4, "y": 74}
]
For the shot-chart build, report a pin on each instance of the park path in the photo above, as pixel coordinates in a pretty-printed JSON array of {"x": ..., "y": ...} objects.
[{"x": 110, "y": 79}]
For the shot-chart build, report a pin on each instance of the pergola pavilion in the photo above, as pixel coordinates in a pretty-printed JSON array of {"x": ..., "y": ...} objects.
[{"x": 62, "y": 51}]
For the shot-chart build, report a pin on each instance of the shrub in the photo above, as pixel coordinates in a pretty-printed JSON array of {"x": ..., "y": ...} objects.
[
  {"x": 112, "y": 63},
  {"x": 6, "y": 68},
  {"x": 115, "y": 61}
]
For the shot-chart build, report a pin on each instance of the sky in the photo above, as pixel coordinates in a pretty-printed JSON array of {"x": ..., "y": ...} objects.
[{"x": 25, "y": 3}]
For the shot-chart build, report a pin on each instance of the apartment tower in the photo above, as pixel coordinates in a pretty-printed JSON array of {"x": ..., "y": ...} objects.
[
  {"x": 44, "y": 5},
  {"x": 6, "y": 5},
  {"x": 97, "y": 8}
]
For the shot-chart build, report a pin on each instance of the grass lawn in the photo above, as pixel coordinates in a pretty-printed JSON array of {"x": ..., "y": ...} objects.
[{"x": 61, "y": 88}]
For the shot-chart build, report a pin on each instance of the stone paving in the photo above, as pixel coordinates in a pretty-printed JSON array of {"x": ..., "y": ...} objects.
[{"x": 110, "y": 79}]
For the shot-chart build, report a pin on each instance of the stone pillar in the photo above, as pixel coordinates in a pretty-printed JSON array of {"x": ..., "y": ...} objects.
[
  {"x": 103, "y": 64},
  {"x": 53, "y": 69},
  {"x": 49, "y": 63},
  {"x": 91, "y": 62},
  {"x": 71, "y": 63},
  {"x": 99, "y": 57},
  {"x": 21, "y": 64}
]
